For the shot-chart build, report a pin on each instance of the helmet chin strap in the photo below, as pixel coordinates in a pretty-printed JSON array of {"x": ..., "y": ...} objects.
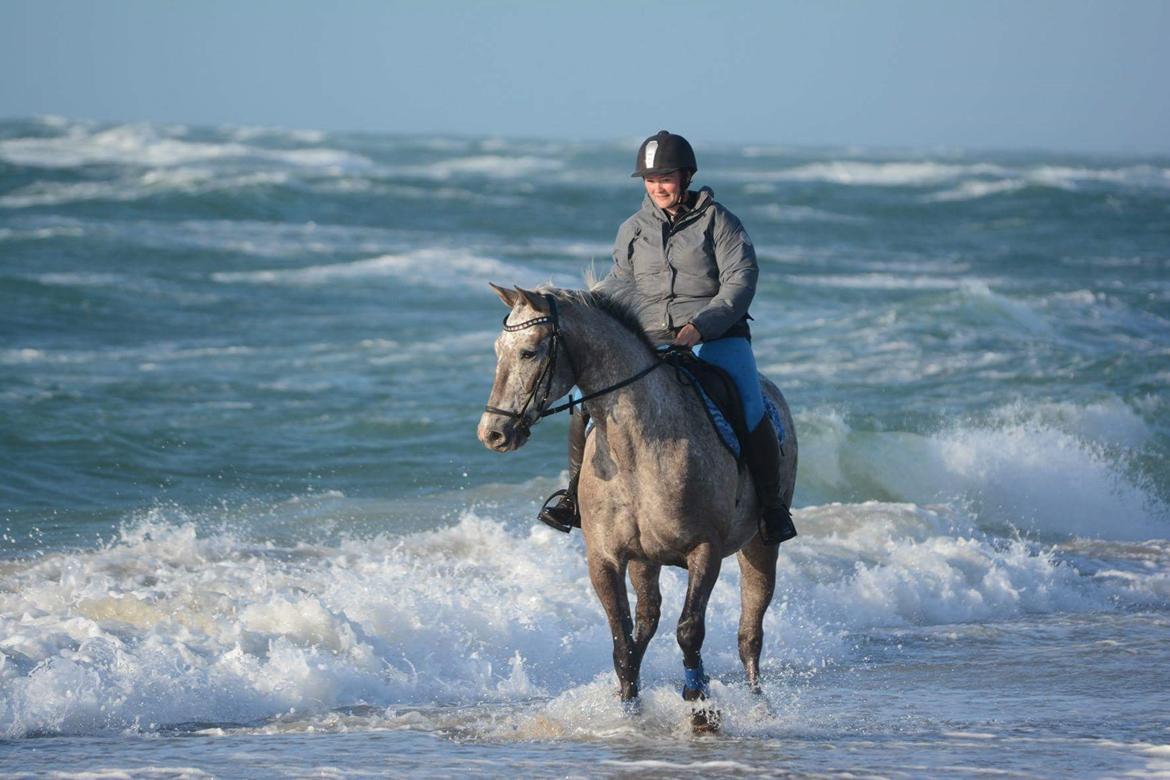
[{"x": 680, "y": 200}]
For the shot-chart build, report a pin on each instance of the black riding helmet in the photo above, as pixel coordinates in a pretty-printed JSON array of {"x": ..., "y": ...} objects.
[{"x": 663, "y": 153}]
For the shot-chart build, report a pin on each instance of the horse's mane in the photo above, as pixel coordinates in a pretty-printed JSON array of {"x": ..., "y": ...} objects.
[{"x": 618, "y": 307}]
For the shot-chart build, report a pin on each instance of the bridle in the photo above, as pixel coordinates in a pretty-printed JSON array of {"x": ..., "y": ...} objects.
[{"x": 545, "y": 377}]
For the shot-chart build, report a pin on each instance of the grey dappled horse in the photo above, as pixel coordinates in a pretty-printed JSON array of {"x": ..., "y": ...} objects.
[{"x": 657, "y": 486}]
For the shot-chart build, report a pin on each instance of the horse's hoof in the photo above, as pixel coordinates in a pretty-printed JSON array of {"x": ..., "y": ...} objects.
[
  {"x": 707, "y": 719},
  {"x": 631, "y": 708}
]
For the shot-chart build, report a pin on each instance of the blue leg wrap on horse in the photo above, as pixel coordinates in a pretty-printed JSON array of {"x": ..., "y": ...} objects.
[
  {"x": 695, "y": 680},
  {"x": 734, "y": 355}
]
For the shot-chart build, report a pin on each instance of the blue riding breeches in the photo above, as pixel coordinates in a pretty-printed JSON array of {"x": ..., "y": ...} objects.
[{"x": 734, "y": 355}]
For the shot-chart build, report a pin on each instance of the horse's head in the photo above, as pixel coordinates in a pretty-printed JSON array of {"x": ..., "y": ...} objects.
[{"x": 533, "y": 367}]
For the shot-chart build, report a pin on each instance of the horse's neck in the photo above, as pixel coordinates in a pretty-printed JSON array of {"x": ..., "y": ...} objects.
[{"x": 608, "y": 354}]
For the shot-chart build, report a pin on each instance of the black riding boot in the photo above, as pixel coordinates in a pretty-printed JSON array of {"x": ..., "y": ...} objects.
[
  {"x": 563, "y": 515},
  {"x": 763, "y": 458}
]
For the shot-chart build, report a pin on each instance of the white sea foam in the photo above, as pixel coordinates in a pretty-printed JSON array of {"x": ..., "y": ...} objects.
[
  {"x": 1057, "y": 469},
  {"x": 247, "y": 134},
  {"x": 187, "y": 180},
  {"x": 969, "y": 180},
  {"x": 153, "y": 146},
  {"x": 980, "y": 302},
  {"x": 153, "y": 354},
  {"x": 492, "y": 165},
  {"x": 877, "y": 281},
  {"x": 583, "y": 250},
  {"x": 1070, "y": 177},
  {"x": 1059, "y": 177},
  {"x": 972, "y": 190},
  {"x": 40, "y": 234},
  {"x": 249, "y": 237},
  {"x": 169, "y": 625},
  {"x": 427, "y": 267},
  {"x": 882, "y": 174},
  {"x": 81, "y": 279},
  {"x": 778, "y": 213},
  {"x": 21, "y": 356}
]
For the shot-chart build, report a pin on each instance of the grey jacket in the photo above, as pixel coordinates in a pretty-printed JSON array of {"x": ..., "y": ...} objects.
[{"x": 701, "y": 270}]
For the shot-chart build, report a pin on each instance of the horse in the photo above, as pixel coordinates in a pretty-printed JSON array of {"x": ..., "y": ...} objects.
[{"x": 657, "y": 486}]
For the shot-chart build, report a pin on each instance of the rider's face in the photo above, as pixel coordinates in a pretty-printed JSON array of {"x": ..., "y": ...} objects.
[{"x": 666, "y": 190}]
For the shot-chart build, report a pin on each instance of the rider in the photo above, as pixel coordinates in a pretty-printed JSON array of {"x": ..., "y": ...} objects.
[{"x": 690, "y": 269}]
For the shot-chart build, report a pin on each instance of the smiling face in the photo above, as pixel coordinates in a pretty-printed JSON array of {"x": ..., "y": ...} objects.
[{"x": 667, "y": 190}]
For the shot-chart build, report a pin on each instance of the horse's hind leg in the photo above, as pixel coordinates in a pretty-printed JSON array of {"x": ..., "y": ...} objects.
[
  {"x": 644, "y": 578},
  {"x": 609, "y": 581},
  {"x": 703, "y": 570},
  {"x": 757, "y": 582}
]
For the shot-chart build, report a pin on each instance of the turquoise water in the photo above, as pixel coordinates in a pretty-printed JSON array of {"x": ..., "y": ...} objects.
[{"x": 247, "y": 528}]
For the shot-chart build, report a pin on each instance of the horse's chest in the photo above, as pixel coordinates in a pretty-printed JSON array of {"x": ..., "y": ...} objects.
[{"x": 657, "y": 497}]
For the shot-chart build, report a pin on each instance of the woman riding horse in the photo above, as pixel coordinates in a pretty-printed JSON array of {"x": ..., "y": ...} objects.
[{"x": 687, "y": 265}]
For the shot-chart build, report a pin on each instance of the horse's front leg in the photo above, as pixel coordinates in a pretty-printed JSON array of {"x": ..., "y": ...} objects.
[
  {"x": 703, "y": 570},
  {"x": 609, "y": 581},
  {"x": 644, "y": 578}
]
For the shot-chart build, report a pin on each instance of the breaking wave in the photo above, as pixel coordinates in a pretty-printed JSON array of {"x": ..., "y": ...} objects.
[
  {"x": 159, "y": 147},
  {"x": 170, "y": 625},
  {"x": 427, "y": 267},
  {"x": 1057, "y": 470}
]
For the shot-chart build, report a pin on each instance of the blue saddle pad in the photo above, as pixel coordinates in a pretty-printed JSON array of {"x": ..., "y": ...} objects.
[{"x": 723, "y": 425}]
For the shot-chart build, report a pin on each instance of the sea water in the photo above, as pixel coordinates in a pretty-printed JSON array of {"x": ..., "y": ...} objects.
[{"x": 246, "y": 529}]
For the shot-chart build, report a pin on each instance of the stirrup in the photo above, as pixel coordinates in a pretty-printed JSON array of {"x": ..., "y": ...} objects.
[
  {"x": 553, "y": 516},
  {"x": 785, "y": 529}
]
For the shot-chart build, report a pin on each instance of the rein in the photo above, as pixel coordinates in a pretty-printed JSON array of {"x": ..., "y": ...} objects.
[{"x": 546, "y": 372}]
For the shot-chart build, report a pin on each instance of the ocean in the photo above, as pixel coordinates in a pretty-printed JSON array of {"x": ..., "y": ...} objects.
[{"x": 246, "y": 528}]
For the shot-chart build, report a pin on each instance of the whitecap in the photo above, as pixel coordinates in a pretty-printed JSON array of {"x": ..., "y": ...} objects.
[
  {"x": 246, "y": 134},
  {"x": 882, "y": 174},
  {"x": 1059, "y": 470},
  {"x": 40, "y": 234},
  {"x": 876, "y": 281},
  {"x": 82, "y": 279},
  {"x": 172, "y": 624},
  {"x": 973, "y": 190},
  {"x": 1068, "y": 177},
  {"x": 491, "y": 165},
  {"x": 983, "y": 302},
  {"x": 425, "y": 267},
  {"x": 776, "y": 212},
  {"x": 187, "y": 180},
  {"x": 153, "y": 146}
]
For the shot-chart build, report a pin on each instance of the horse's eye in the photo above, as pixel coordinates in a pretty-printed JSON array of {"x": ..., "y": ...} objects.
[{"x": 527, "y": 354}]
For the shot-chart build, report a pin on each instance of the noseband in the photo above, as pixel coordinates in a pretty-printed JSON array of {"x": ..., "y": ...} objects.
[{"x": 546, "y": 373}]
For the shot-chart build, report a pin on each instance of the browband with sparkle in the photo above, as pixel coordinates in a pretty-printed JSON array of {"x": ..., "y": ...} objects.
[{"x": 527, "y": 323}]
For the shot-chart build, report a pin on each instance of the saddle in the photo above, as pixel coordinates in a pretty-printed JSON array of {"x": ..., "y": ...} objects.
[{"x": 720, "y": 397}]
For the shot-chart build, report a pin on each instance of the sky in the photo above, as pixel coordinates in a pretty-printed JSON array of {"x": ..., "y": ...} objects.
[{"x": 1074, "y": 75}]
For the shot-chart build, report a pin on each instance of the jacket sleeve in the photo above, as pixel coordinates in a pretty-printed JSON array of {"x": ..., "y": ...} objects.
[
  {"x": 620, "y": 278},
  {"x": 735, "y": 256}
]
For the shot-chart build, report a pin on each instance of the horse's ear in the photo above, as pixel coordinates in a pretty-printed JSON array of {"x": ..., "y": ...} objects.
[
  {"x": 535, "y": 300},
  {"x": 509, "y": 297}
]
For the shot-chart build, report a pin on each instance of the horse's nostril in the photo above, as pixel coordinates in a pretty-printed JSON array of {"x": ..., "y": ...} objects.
[{"x": 495, "y": 437}]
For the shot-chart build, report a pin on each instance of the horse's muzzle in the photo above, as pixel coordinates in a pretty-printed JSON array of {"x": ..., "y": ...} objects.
[{"x": 500, "y": 433}]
